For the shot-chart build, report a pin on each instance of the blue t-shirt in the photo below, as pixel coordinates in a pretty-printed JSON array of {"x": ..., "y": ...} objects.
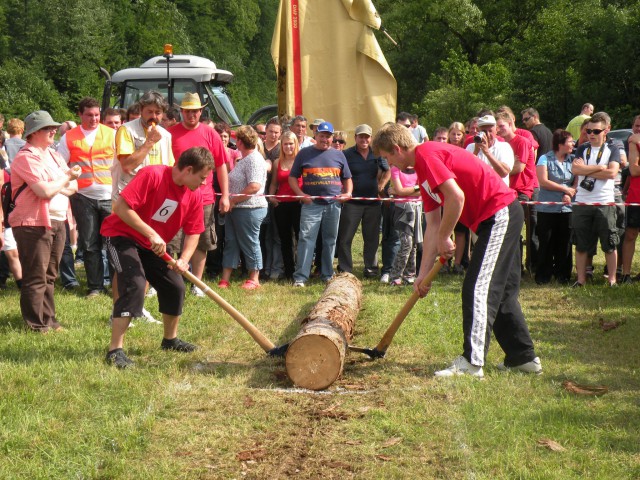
[
  {"x": 364, "y": 174},
  {"x": 557, "y": 172},
  {"x": 322, "y": 172}
]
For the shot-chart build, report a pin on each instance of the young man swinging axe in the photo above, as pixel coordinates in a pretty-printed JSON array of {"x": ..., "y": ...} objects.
[
  {"x": 456, "y": 186},
  {"x": 148, "y": 213}
]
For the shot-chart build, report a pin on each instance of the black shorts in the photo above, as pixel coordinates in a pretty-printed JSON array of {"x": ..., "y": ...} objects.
[
  {"x": 633, "y": 217},
  {"x": 135, "y": 266}
]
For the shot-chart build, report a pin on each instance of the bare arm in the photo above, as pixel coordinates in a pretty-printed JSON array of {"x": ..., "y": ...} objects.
[
  {"x": 347, "y": 188},
  {"x": 131, "y": 218},
  {"x": 273, "y": 186},
  {"x": 188, "y": 247},
  {"x": 130, "y": 162},
  {"x": 293, "y": 183},
  {"x": 383, "y": 178},
  {"x": 398, "y": 189},
  {"x": 543, "y": 180},
  {"x": 223, "y": 180},
  {"x": 518, "y": 166},
  {"x": 429, "y": 249},
  {"x": 634, "y": 155},
  {"x": 50, "y": 189}
]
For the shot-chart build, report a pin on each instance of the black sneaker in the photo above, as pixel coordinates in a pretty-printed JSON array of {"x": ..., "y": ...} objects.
[
  {"x": 177, "y": 345},
  {"x": 625, "y": 279},
  {"x": 118, "y": 358}
]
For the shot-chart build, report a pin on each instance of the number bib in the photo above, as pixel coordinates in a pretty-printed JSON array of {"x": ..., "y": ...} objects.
[{"x": 165, "y": 211}]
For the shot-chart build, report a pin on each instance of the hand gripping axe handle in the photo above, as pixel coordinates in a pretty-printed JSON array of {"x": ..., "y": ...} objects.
[{"x": 380, "y": 349}]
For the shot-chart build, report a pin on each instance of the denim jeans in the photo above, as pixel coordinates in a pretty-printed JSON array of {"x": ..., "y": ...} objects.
[
  {"x": 314, "y": 218},
  {"x": 242, "y": 233},
  {"x": 89, "y": 215},
  {"x": 67, "y": 268}
]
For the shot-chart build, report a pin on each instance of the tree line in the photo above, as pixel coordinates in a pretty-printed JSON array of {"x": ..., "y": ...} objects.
[{"x": 453, "y": 56}]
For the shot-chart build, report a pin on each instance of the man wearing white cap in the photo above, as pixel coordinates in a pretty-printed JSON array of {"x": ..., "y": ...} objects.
[
  {"x": 191, "y": 133},
  {"x": 498, "y": 155}
]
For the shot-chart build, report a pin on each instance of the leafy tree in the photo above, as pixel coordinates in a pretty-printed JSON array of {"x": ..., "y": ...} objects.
[{"x": 24, "y": 90}]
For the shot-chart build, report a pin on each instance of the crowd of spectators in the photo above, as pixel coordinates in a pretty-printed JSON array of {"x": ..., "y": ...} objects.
[{"x": 290, "y": 194}]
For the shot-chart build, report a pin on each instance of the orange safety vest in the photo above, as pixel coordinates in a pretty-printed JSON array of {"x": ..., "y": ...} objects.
[{"x": 96, "y": 160}]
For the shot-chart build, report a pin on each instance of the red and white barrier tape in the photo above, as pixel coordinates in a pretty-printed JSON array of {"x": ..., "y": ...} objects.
[{"x": 417, "y": 199}]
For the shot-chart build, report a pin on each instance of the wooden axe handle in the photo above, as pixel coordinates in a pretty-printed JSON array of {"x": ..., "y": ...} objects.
[
  {"x": 257, "y": 335},
  {"x": 402, "y": 314}
]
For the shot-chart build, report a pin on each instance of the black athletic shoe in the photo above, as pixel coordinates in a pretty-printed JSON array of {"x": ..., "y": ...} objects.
[
  {"x": 177, "y": 345},
  {"x": 118, "y": 358}
]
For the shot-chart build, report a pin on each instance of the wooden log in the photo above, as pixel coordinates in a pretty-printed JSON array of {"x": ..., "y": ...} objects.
[{"x": 315, "y": 358}]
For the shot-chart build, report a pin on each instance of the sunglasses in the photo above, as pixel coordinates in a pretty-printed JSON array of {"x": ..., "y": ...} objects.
[
  {"x": 525, "y": 120},
  {"x": 595, "y": 131},
  {"x": 262, "y": 133},
  {"x": 50, "y": 129},
  {"x": 341, "y": 142}
]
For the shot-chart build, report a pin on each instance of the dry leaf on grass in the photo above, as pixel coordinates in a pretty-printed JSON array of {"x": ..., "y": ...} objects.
[
  {"x": 255, "y": 454},
  {"x": 384, "y": 458},
  {"x": 588, "y": 390},
  {"x": 606, "y": 326},
  {"x": 248, "y": 402},
  {"x": 354, "y": 386},
  {"x": 551, "y": 445},
  {"x": 391, "y": 442},
  {"x": 342, "y": 465},
  {"x": 364, "y": 409},
  {"x": 353, "y": 442}
]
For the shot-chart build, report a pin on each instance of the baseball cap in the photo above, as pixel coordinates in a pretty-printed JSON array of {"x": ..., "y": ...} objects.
[
  {"x": 486, "y": 120},
  {"x": 325, "y": 127},
  {"x": 363, "y": 129}
]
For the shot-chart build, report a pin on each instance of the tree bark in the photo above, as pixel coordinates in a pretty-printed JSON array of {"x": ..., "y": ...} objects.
[{"x": 315, "y": 358}]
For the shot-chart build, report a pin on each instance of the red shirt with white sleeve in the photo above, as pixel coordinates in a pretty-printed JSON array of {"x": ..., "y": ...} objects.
[{"x": 485, "y": 192}]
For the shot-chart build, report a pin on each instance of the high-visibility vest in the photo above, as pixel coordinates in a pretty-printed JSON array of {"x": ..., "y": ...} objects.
[{"x": 96, "y": 160}]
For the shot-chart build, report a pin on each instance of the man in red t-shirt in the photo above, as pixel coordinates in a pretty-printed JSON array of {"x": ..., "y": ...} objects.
[
  {"x": 523, "y": 178},
  {"x": 148, "y": 213},
  {"x": 191, "y": 133},
  {"x": 456, "y": 186}
]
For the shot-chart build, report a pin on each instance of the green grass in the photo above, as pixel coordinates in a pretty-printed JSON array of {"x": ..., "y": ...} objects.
[{"x": 228, "y": 411}]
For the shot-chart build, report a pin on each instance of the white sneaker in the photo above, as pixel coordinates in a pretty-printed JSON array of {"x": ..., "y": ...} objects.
[
  {"x": 534, "y": 366},
  {"x": 151, "y": 292},
  {"x": 298, "y": 284},
  {"x": 461, "y": 366},
  {"x": 385, "y": 278},
  {"x": 147, "y": 317},
  {"x": 197, "y": 291}
]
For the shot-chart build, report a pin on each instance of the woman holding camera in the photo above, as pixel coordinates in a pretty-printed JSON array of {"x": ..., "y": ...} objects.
[{"x": 557, "y": 184}]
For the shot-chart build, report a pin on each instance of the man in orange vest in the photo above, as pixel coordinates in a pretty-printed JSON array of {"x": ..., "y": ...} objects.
[{"x": 91, "y": 146}]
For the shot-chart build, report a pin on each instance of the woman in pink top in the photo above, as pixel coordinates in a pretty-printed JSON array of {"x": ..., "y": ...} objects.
[
  {"x": 41, "y": 183},
  {"x": 287, "y": 210},
  {"x": 407, "y": 219},
  {"x": 225, "y": 134}
]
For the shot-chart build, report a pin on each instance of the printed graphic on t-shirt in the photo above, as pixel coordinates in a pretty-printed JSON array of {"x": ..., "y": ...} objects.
[
  {"x": 435, "y": 196},
  {"x": 165, "y": 211},
  {"x": 322, "y": 176}
]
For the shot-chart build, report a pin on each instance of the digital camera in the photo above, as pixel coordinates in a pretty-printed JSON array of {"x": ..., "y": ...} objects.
[
  {"x": 588, "y": 183},
  {"x": 478, "y": 137}
]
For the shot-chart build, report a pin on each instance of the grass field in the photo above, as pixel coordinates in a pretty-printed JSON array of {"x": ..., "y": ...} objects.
[{"x": 229, "y": 411}]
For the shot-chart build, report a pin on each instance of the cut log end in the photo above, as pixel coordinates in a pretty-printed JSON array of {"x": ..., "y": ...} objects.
[{"x": 315, "y": 358}]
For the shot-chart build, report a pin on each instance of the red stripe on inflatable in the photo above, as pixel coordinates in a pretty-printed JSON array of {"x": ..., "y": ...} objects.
[{"x": 297, "y": 70}]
